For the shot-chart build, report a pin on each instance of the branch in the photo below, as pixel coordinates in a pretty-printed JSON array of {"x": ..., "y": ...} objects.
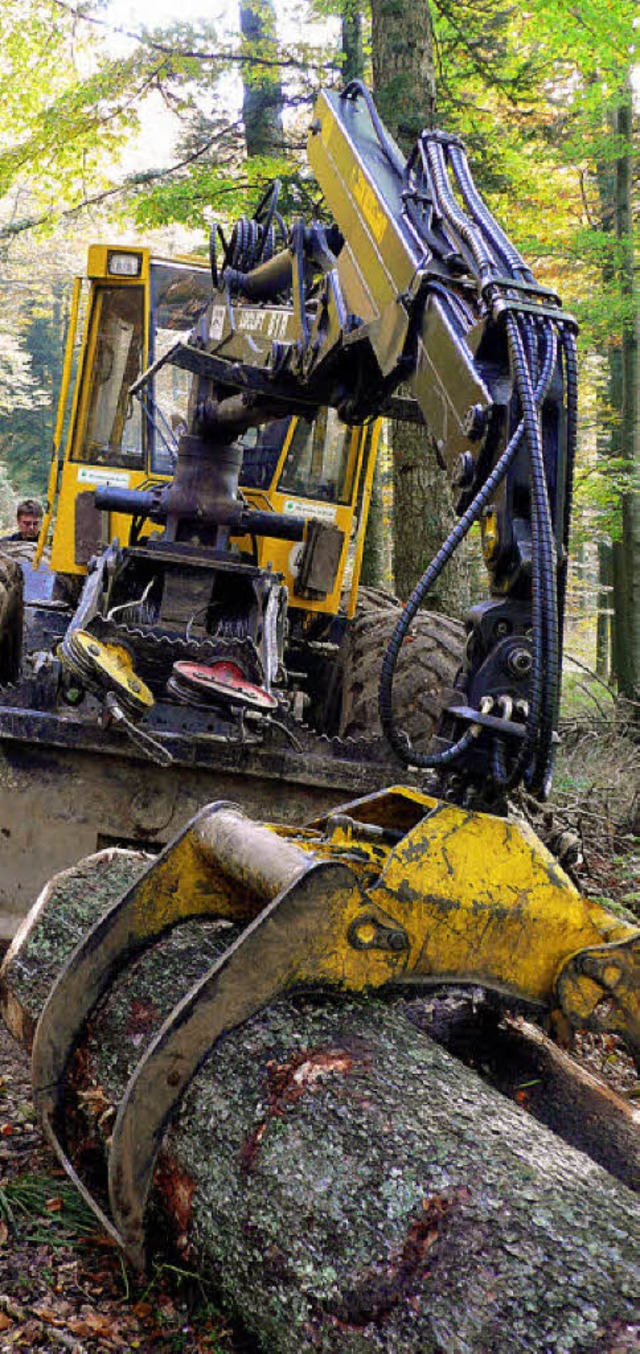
[
  {"x": 19, "y": 227},
  {"x": 585, "y": 668},
  {"x": 226, "y": 56},
  {"x": 585, "y": 202}
]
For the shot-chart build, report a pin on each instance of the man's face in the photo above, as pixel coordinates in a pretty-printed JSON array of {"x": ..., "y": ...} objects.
[{"x": 29, "y": 525}]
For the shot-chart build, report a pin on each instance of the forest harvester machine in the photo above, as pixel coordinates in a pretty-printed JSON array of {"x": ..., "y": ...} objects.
[
  {"x": 414, "y": 286},
  {"x": 105, "y": 668}
]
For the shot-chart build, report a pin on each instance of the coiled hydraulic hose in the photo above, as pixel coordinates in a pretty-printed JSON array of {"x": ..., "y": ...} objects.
[
  {"x": 396, "y": 737},
  {"x": 535, "y": 756},
  {"x": 434, "y": 161},
  {"x": 480, "y": 213},
  {"x": 570, "y": 356}
]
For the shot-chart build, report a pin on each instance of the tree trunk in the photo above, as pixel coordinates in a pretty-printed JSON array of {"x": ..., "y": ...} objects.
[
  {"x": 404, "y": 84},
  {"x": 262, "y": 88},
  {"x": 423, "y": 517},
  {"x": 343, "y": 1182},
  {"x": 605, "y": 611},
  {"x": 627, "y": 601}
]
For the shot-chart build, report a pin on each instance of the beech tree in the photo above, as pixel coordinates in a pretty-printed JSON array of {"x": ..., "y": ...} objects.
[{"x": 404, "y": 86}]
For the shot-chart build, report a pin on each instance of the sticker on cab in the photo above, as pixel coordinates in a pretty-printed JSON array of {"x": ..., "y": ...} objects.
[
  {"x": 296, "y": 507},
  {"x": 97, "y": 475}
]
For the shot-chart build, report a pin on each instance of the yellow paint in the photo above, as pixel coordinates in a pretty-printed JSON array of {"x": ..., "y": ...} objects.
[
  {"x": 282, "y": 555},
  {"x": 367, "y": 489},
  {"x": 63, "y": 550},
  {"x": 480, "y": 899},
  {"x": 113, "y": 663},
  {"x": 70, "y": 475},
  {"x": 367, "y": 200},
  {"x": 468, "y": 897},
  {"x": 489, "y": 534},
  {"x": 67, "y": 368}
]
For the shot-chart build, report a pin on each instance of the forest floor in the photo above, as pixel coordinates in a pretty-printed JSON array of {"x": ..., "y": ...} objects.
[{"x": 63, "y": 1283}]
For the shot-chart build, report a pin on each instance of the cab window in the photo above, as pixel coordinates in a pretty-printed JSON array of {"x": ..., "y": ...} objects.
[
  {"x": 317, "y": 462},
  {"x": 261, "y": 450},
  {"x": 112, "y": 432},
  {"x": 179, "y": 294}
]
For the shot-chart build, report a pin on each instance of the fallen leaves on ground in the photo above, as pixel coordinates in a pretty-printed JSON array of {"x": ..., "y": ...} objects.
[{"x": 63, "y": 1284}]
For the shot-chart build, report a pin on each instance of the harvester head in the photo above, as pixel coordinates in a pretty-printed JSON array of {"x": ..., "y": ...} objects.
[{"x": 397, "y": 889}]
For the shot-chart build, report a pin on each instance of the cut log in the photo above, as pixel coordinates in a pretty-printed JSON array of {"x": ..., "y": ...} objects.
[{"x": 342, "y": 1181}]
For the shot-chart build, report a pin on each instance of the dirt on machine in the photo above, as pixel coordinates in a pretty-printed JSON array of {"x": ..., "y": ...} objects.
[
  {"x": 216, "y": 621},
  {"x": 230, "y": 650}
]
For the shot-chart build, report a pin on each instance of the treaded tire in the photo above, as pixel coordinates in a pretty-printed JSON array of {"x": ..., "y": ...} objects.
[
  {"x": 427, "y": 665},
  {"x": 11, "y": 618}
]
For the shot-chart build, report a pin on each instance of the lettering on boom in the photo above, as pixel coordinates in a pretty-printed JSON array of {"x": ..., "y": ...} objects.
[
  {"x": 272, "y": 324},
  {"x": 369, "y": 205}
]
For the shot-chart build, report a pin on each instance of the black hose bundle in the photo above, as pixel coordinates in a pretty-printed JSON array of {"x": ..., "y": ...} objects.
[
  {"x": 534, "y": 340},
  {"x": 545, "y": 624}
]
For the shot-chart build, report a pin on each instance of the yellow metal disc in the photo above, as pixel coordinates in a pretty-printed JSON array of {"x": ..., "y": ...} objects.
[{"x": 112, "y": 664}]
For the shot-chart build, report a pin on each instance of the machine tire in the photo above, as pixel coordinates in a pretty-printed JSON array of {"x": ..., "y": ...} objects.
[
  {"x": 11, "y": 617},
  {"x": 429, "y": 660},
  {"x": 376, "y": 599}
]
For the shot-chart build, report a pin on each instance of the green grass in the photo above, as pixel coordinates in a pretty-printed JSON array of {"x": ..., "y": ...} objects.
[{"x": 29, "y": 1205}]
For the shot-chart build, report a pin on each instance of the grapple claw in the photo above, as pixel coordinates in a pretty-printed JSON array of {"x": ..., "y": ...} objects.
[
  {"x": 396, "y": 889},
  {"x": 599, "y": 989}
]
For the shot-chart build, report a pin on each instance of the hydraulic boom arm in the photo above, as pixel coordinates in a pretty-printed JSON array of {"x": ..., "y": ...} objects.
[{"x": 416, "y": 285}]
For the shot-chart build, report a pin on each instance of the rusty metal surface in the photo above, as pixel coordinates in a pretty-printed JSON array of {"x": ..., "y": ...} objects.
[
  {"x": 64, "y": 795},
  {"x": 417, "y": 893}
]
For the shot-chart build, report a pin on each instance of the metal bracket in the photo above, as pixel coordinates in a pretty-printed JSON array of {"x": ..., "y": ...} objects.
[{"x": 456, "y": 897}]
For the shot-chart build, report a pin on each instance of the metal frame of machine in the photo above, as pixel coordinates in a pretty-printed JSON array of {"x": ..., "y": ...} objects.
[{"x": 398, "y": 888}]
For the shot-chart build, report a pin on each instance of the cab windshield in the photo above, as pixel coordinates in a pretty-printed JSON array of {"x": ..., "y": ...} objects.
[
  {"x": 118, "y": 429},
  {"x": 112, "y": 433},
  {"x": 318, "y": 464},
  {"x": 179, "y": 294}
]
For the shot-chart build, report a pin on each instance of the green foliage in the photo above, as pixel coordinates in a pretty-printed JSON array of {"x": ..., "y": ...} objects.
[
  {"x": 27, "y": 410},
  {"x": 44, "y": 1209}
]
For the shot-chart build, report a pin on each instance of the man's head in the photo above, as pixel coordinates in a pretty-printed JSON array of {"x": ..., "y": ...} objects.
[{"x": 29, "y": 518}]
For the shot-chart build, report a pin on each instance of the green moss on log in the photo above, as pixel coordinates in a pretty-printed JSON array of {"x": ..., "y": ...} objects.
[{"x": 348, "y": 1186}]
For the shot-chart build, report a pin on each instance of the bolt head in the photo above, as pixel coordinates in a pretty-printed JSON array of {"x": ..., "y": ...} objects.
[
  {"x": 520, "y": 662},
  {"x": 474, "y": 423}
]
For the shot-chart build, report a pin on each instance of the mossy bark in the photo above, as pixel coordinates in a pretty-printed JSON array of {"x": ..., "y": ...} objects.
[{"x": 341, "y": 1180}]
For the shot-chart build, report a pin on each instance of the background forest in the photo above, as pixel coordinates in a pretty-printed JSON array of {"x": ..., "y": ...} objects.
[{"x": 150, "y": 122}]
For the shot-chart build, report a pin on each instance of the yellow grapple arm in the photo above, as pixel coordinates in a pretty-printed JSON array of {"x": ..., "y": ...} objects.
[{"x": 394, "y": 890}]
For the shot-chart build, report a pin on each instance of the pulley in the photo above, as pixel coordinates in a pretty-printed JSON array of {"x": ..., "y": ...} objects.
[
  {"x": 105, "y": 668},
  {"x": 221, "y": 683}
]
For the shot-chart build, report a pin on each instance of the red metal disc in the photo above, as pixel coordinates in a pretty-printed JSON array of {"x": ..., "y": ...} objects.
[{"x": 226, "y": 680}]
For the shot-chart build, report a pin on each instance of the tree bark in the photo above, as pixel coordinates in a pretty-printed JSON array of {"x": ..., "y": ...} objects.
[
  {"x": 341, "y": 1181},
  {"x": 404, "y": 84},
  {"x": 605, "y": 611},
  {"x": 262, "y": 99},
  {"x": 627, "y": 599}
]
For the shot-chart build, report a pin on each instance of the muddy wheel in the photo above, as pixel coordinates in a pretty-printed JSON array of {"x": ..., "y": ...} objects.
[
  {"x": 376, "y": 599},
  {"x": 11, "y": 618},
  {"x": 429, "y": 660}
]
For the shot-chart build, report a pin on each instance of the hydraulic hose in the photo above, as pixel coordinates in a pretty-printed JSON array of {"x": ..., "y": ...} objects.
[
  {"x": 535, "y": 756},
  {"x": 435, "y": 164},
  {"x": 570, "y": 355},
  {"x": 397, "y": 738},
  {"x": 545, "y": 572},
  {"x": 505, "y": 250},
  {"x": 355, "y": 89}
]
